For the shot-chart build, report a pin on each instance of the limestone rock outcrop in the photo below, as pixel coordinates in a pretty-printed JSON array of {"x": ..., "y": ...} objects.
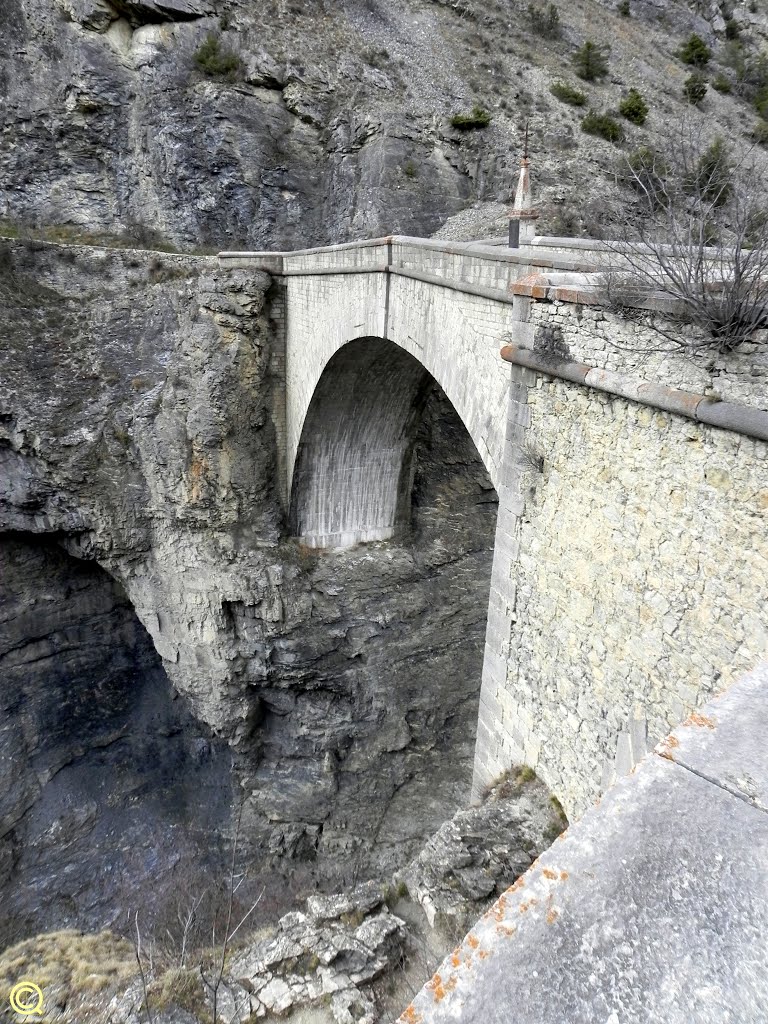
[
  {"x": 473, "y": 857},
  {"x": 139, "y": 416},
  {"x": 355, "y": 957}
]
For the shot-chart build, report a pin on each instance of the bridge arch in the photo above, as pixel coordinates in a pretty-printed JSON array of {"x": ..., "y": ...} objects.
[
  {"x": 354, "y": 466},
  {"x": 455, "y": 337}
]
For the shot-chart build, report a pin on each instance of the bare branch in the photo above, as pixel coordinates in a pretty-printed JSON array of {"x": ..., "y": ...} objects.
[
  {"x": 700, "y": 240},
  {"x": 137, "y": 953}
]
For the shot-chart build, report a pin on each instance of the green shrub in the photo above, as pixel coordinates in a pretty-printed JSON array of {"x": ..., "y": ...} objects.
[
  {"x": 695, "y": 88},
  {"x": 603, "y": 125},
  {"x": 591, "y": 62},
  {"x": 731, "y": 29},
  {"x": 623, "y": 9},
  {"x": 760, "y": 133},
  {"x": 409, "y": 170},
  {"x": 721, "y": 83},
  {"x": 478, "y": 118},
  {"x": 694, "y": 51},
  {"x": 214, "y": 61},
  {"x": 761, "y": 102},
  {"x": 634, "y": 107},
  {"x": 567, "y": 94},
  {"x": 545, "y": 23}
]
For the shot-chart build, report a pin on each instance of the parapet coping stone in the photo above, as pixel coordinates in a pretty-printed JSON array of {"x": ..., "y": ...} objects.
[
  {"x": 652, "y": 908},
  {"x": 741, "y": 419},
  {"x": 486, "y": 250},
  {"x": 605, "y": 245}
]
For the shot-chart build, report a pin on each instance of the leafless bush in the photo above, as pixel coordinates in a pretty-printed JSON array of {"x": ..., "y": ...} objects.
[
  {"x": 696, "y": 239},
  {"x": 189, "y": 957}
]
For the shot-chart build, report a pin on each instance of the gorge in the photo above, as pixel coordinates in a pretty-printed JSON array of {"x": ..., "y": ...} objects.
[{"x": 343, "y": 685}]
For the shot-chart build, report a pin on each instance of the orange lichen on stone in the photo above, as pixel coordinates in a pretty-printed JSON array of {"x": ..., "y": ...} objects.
[
  {"x": 436, "y": 987},
  {"x": 549, "y": 873},
  {"x": 505, "y": 929},
  {"x": 563, "y": 876},
  {"x": 666, "y": 746},
  {"x": 517, "y": 885},
  {"x": 698, "y": 719},
  {"x": 552, "y": 915},
  {"x": 411, "y": 1016},
  {"x": 483, "y": 954},
  {"x": 499, "y": 908},
  {"x": 455, "y": 959},
  {"x": 472, "y": 941}
]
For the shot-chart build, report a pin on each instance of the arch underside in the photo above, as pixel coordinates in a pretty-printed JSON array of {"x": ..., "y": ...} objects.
[{"x": 354, "y": 466}]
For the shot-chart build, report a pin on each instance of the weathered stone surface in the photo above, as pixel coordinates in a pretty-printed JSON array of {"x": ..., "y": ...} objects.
[
  {"x": 311, "y": 958},
  {"x": 473, "y": 856},
  {"x": 329, "y": 908},
  {"x": 724, "y": 742},
  {"x": 107, "y": 777},
  {"x": 137, "y": 139},
  {"x": 640, "y": 609},
  {"x": 591, "y": 335}
]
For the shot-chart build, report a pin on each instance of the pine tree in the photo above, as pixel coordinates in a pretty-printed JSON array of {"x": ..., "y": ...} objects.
[
  {"x": 695, "y": 51},
  {"x": 591, "y": 62}
]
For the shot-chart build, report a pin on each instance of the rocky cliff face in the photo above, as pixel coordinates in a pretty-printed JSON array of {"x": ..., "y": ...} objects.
[
  {"x": 106, "y": 775},
  {"x": 320, "y": 122},
  {"x": 138, "y": 434}
]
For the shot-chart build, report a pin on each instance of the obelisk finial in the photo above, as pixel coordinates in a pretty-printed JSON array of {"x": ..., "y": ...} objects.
[{"x": 522, "y": 215}]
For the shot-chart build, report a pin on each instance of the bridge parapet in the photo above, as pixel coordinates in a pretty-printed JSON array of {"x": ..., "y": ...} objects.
[
  {"x": 562, "y": 278},
  {"x": 649, "y": 908}
]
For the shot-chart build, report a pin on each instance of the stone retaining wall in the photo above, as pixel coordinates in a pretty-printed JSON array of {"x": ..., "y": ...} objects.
[
  {"x": 603, "y": 339},
  {"x": 633, "y": 584}
]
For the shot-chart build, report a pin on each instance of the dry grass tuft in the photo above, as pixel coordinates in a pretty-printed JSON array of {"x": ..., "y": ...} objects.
[{"x": 78, "y": 973}]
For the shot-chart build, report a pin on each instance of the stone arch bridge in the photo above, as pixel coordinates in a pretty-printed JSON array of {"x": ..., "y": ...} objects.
[{"x": 629, "y": 572}]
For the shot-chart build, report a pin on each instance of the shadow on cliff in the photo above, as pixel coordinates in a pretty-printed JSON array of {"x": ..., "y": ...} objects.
[{"x": 109, "y": 789}]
